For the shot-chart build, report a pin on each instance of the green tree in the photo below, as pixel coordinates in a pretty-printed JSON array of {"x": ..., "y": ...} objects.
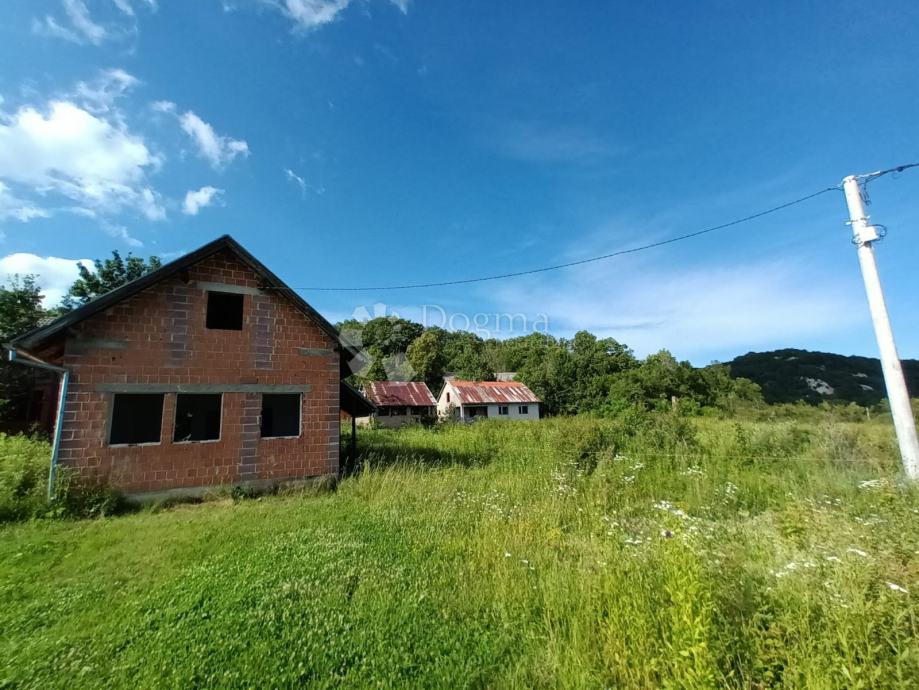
[
  {"x": 107, "y": 275},
  {"x": 390, "y": 334},
  {"x": 20, "y": 311},
  {"x": 20, "y": 306},
  {"x": 426, "y": 356},
  {"x": 465, "y": 356}
]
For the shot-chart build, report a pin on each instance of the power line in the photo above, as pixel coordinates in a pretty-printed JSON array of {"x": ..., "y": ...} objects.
[{"x": 579, "y": 262}]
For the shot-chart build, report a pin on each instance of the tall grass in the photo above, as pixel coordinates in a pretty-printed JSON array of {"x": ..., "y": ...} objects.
[
  {"x": 23, "y": 477},
  {"x": 578, "y": 553},
  {"x": 673, "y": 553}
]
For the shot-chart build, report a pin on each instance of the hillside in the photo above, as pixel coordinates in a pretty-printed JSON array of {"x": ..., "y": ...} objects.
[{"x": 791, "y": 375}]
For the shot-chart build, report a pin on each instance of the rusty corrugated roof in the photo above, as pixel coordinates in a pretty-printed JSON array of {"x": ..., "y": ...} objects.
[
  {"x": 493, "y": 392},
  {"x": 414, "y": 393}
]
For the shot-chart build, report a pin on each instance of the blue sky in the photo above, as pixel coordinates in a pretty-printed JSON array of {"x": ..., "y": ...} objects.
[{"x": 355, "y": 142}]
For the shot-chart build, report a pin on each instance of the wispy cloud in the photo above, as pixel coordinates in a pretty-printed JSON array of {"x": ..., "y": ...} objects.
[
  {"x": 694, "y": 311},
  {"x": 302, "y": 184},
  {"x": 311, "y": 14},
  {"x": 14, "y": 208},
  {"x": 79, "y": 26},
  {"x": 82, "y": 27},
  {"x": 218, "y": 150},
  {"x": 548, "y": 143},
  {"x": 195, "y": 200},
  {"x": 100, "y": 94}
]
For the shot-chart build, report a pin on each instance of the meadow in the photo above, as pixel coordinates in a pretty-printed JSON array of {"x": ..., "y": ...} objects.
[{"x": 654, "y": 552}]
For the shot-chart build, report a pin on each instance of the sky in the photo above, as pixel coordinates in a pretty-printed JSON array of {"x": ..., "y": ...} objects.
[{"x": 349, "y": 143}]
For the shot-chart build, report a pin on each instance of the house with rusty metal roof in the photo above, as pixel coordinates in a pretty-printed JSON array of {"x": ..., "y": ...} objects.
[
  {"x": 400, "y": 402},
  {"x": 471, "y": 400}
]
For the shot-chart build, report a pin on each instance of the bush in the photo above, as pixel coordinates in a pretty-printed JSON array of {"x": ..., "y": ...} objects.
[
  {"x": 24, "y": 464},
  {"x": 84, "y": 499}
]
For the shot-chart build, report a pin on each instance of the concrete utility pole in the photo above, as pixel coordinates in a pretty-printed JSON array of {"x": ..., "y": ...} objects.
[{"x": 863, "y": 235}]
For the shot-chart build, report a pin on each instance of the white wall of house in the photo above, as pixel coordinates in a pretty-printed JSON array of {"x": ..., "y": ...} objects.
[
  {"x": 514, "y": 411},
  {"x": 446, "y": 402},
  {"x": 447, "y": 405}
]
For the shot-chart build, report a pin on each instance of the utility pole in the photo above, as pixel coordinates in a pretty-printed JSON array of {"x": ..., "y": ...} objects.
[{"x": 863, "y": 236}]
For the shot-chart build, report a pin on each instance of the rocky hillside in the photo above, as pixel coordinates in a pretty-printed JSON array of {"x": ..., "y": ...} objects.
[{"x": 791, "y": 375}]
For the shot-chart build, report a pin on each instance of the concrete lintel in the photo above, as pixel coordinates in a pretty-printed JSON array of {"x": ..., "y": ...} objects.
[
  {"x": 224, "y": 287},
  {"x": 315, "y": 351},
  {"x": 202, "y": 388}
]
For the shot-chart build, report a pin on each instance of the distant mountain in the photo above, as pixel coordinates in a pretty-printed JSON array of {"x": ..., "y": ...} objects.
[{"x": 791, "y": 375}]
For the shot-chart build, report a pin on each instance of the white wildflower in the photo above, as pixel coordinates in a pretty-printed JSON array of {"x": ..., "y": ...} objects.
[{"x": 869, "y": 484}]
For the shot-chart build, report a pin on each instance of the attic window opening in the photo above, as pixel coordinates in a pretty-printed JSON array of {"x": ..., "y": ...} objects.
[
  {"x": 225, "y": 311},
  {"x": 197, "y": 418},
  {"x": 280, "y": 415},
  {"x": 136, "y": 418}
]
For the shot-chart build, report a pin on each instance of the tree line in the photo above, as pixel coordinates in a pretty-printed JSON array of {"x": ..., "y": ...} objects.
[{"x": 582, "y": 374}]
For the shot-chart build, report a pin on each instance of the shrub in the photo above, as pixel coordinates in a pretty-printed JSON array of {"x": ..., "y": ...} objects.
[
  {"x": 84, "y": 499},
  {"x": 24, "y": 464}
]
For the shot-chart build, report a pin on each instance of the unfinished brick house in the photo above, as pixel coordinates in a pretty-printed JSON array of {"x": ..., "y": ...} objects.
[{"x": 208, "y": 371}]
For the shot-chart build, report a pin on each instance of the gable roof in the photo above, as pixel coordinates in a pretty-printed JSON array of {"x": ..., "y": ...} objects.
[
  {"x": 46, "y": 331},
  {"x": 408, "y": 393},
  {"x": 492, "y": 392}
]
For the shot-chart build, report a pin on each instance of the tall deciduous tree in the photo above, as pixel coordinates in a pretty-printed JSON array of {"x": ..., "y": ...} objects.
[
  {"x": 20, "y": 311},
  {"x": 107, "y": 275},
  {"x": 20, "y": 306},
  {"x": 426, "y": 356}
]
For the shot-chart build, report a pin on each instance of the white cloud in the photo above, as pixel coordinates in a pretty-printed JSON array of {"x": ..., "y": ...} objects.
[
  {"x": 124, "y": 6},
  {"x": 196, "y": 200},
  {"x": 93, "y": 160},
  {"x": 695, "y": 312},
  {"x": 121, "y": 232},
  {"x": 218, "y": 150},
  {"x": 12, "y": 207},
  {"x": 296, "y": 179},
  {"x": 312, "y": 14},
  {"x": 99, "y": 95},
  {"x": 309, "y": 14},
  {"x": 163, "y": 106},
  {"x": 82, "y": 28},
  {"x": 55, "y": 275}
]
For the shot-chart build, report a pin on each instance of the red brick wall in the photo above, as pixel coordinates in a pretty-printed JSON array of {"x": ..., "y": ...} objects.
[{"x": 159, "y": 337}]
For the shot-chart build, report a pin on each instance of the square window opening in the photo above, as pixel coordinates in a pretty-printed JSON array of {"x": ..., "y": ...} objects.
[
  {"x": 225, "y": 311},
  {"x": 502, "y": 409},
  {"x": 523, "y": 409},
  {"x": 197, "y": 417},
  {"x": 136, "y": 418},
  {"x": 280, "y": 415}
]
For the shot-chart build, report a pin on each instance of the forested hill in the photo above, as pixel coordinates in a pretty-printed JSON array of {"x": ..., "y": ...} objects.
[{"x": 791, "y": 375}]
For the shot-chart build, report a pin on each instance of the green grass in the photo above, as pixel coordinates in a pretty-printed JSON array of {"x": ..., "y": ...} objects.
[{"x": 564, "y": 553}]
